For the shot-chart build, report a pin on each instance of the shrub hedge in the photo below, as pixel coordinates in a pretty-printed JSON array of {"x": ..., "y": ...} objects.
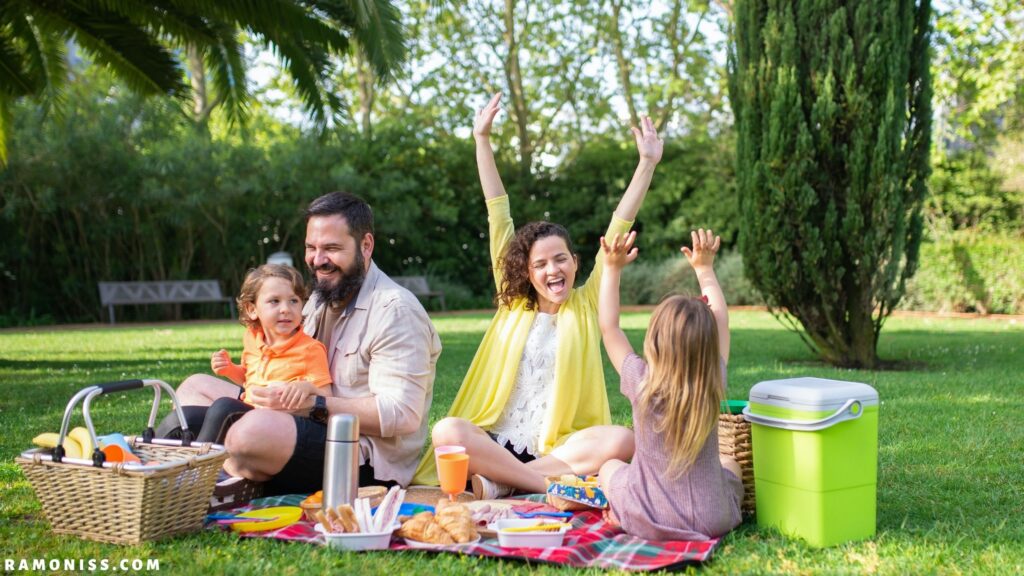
[{"x": 960, "y": 273}]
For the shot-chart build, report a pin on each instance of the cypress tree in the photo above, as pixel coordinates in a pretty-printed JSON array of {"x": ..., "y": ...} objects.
[{"x": 832, "y": 103}]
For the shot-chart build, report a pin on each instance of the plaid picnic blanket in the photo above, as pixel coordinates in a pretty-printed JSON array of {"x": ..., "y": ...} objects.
[{"x": 591, "y": 543}]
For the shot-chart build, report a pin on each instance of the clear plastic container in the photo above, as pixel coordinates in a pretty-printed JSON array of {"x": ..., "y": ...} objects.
[{"x": 540, "y": 539}]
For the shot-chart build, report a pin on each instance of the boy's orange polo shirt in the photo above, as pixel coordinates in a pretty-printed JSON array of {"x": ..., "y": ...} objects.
[{"x": 299, "y": 358}]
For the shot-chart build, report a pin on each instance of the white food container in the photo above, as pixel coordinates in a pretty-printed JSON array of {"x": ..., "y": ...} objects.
[
  {"x": 355, "y": 541},
  {"x": 542, "y": 539}
]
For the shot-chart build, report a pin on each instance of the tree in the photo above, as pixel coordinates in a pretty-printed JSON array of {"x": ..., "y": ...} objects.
[
  {"x": 147, "y": 45},
  {"x": 978, "y": 159},
  {"x": 833, "y": 120}
]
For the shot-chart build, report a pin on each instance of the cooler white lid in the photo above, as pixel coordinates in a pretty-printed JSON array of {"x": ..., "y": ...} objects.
[{"x": 810, "y": 393}]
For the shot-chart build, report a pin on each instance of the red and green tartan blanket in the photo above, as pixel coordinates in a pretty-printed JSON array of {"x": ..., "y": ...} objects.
[{"x": 591, "y": 543}]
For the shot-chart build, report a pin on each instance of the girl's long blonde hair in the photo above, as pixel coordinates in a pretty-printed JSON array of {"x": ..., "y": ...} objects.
[{"x": 684, "y": 379}]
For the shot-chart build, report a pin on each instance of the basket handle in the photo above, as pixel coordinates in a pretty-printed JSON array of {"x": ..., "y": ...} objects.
[
  {"x": 90, "y": 392},
  {"x": 120, "y": 386}
]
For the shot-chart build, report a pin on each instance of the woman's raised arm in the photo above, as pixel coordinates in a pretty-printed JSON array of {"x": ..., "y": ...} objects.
[
  {"x": 650, "y": 148},
  {"x": 489, "y": 178}
]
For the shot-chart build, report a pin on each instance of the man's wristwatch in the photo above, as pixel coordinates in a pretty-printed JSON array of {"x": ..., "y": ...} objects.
[{"x": 318, "y": 413}]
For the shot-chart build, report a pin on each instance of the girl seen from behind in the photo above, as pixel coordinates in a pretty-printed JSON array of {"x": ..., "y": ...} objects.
[{"x": 677, "y": 487}]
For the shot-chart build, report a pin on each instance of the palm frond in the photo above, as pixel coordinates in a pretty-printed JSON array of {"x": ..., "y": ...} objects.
[
  {"x": 308, "y": 69},
  {"x": 375, "y": 25},
  {"x": 383, "y": 40},
  {"x": 114, "y": 41},
  {"x": 270, "y": 18},
  {"x": 44, "y": 59},
  {"x": 16, "y": 78},
  {"x": 137, "y": 40},
  {"x": 227, "y": 70}
]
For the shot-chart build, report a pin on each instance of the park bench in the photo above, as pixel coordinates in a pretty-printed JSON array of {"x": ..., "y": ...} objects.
[
  {"x": 418, "y": 286},
  {"x": 175, "y": 292}
]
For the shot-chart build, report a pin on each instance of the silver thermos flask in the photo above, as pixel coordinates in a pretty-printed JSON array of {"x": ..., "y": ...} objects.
[{"x": 341, "y": 460}]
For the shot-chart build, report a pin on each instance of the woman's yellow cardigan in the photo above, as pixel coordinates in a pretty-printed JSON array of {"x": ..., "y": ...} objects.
[{"x": 580, "y": 399}]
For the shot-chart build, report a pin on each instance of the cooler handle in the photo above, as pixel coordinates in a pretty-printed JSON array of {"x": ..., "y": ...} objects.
[{"x": 851, "y": 410}]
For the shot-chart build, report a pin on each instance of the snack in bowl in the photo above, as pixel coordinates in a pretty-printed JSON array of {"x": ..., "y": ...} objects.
[
  {"x": 527, "y": 533},
  {"x": 451, "y": 523},
  {"x": 571, "y": 492}
]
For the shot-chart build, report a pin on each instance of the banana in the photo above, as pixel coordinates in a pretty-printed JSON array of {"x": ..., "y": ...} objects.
[
  {"x": 72, "y": 449},
  {"x": 81, "y": 435}
]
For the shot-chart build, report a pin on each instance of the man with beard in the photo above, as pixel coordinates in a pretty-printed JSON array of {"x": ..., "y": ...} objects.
[{"x": 382, "y": 350}]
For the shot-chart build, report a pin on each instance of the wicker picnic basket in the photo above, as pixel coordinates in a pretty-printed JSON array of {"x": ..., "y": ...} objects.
[
  {"x": 167, "y": 494},
  {"x": 734, "y": 441}
]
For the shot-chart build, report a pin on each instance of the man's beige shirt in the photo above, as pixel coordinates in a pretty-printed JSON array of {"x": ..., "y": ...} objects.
[{"x": 384, "y": 346}]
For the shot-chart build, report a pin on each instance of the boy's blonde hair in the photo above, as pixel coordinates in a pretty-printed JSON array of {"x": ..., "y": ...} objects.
[
  {"x": 684, "y": 379},
  {"x": 254, "y": 281}
]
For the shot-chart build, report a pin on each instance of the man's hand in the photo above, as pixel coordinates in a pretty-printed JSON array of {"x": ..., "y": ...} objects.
[
  {"x": 296, "y": 395},
  {"x": 272, "y": 398}
]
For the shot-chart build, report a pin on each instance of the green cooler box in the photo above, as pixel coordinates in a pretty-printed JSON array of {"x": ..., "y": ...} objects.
[{"x": 815, "y": 444}]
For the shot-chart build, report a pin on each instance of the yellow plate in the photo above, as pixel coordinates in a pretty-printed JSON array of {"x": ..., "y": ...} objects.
[{"x": 281, "y": 516}]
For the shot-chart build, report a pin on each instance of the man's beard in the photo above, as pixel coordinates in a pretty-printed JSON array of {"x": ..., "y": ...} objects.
[{"x": 347, "y": 285}]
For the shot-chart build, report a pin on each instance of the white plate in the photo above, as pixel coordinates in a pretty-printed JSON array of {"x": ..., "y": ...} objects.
[{"x": 432, "y": 546}]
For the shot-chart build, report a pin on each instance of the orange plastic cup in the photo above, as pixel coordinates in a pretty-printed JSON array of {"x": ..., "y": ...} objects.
[
  {"x": 452, "y": 471},
  {"x": 115, "y": 453}
]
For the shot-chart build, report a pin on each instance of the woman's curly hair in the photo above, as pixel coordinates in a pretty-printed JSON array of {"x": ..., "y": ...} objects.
[{"x": 515, "y": 264}]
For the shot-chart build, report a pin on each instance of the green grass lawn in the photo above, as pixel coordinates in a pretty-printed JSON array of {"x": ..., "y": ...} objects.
[{"x": 951, "y": 446}]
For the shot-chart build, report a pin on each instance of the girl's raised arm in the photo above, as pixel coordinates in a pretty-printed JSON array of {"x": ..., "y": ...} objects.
[
  {"x": 490, "y": 180},
  {"x": 650, "y": 148},
  {"x": 617, "y": 253},
  {"x": 702, "y": 258}
]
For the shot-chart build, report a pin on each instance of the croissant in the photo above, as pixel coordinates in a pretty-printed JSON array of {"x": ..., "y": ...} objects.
[
  {"x": 435, "y": 534},
  {"x": 413, "y": 527},
  {"x": 460, "y": 527},
  {"x": 452, "y": 509}
]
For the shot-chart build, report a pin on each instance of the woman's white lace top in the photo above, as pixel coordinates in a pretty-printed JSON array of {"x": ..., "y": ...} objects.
[{"x": 520, "y": 422}]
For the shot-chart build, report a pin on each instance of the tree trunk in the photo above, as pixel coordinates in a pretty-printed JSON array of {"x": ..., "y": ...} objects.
[
  {"x": 514, "y": 79},
  {"x": 367, "y": 93},
  {"x": 623, "y": 64},
  {"x": 202, "y": 104}
]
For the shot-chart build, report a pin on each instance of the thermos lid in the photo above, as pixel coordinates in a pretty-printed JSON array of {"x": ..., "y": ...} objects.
[{"x": 343, "y": 428}]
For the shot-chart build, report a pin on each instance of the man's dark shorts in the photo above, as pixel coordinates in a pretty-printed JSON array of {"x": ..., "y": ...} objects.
[{"x": 304, "y": 472}]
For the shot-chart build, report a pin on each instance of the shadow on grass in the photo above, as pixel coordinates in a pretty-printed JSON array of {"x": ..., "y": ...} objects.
[
  {"x": 96, "y": 365},
  {"x": 902, "y": 351}
]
